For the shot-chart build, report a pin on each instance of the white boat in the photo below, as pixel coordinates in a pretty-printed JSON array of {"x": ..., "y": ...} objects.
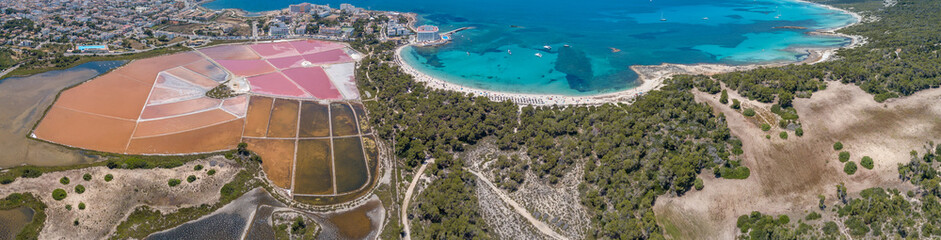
[
  {"x": 662, "y": 19},
  {"x": 547, "y": 47},
  {"x": 509, "y": 52},
  {"x": 539, "y": 54},
  {"x": 705, "y": 18}
]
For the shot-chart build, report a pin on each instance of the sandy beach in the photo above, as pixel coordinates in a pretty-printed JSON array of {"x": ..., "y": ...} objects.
[{"x": 651, "y": 77}]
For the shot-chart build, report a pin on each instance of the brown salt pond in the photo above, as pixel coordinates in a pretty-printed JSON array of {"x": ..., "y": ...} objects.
[
  {"x": 314, "y": 173},
  {"x": 344, "y": 124},
  {"x": 351, "y": 172},
  {"x": 22, "y": 103},
  {"x": 259, "y": 111},
  {"x": 283, "y": 123},
  {"x": 277, "y": 158},
  {"x": 315, "y": 120}
]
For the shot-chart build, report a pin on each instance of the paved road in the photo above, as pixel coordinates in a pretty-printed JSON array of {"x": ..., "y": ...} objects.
[{"x": 5, "y": 72}]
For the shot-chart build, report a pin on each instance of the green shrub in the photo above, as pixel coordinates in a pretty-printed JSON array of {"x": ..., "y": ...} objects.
[
  {"x": 765, "y": 127},
  {"x": 768, "y": 136},
  {"x": 866, "y": 162},
  {"x": 68, "y": 207},
  {"x": 58, "y": 194},
  {"x": 108, "y": 177},
  {"x": 799, "y": 132},
  {"x": 844, "y": 156},
  {"x": 81, "y": 206},
  {"x": 837, "y": 146},
  {"x": 64, "y": 180},
  {"x": 749, "y": 112},
  {"x": 86, "y": 177},
  {"x": 783, "y": 135},
  {"x": 830, "y": 228},
  {"x": 190, "y": 179},
  {"x": 737, "y": 150},
  {"x": 211, "y": 172},
  {"x": 740, "y": 172},
  {"x": 198, "y": 167},
  {"x": 30, "y": 172},
  {"x": 724, "y": 98},
  {"x": 79, "y": 189},
  {"x": 736, "y": 104},
  {"x": 173, "y": 182},
  {"x": 849, "y": 168},
  {"x": 698, "y": 184},
  {"x": 812, "y": 216},
  {"x": 229, "y": 156}
]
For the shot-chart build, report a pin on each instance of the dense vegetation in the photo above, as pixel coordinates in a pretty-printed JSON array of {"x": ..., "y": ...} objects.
[
  {"x": 632, "y": 153},
  {"x": 447, "y": 209}
]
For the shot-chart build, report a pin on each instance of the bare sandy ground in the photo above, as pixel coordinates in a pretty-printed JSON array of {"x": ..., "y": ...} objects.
[
  {"x": 108, "y": 203},
  {"x": 787, "y": 175}
]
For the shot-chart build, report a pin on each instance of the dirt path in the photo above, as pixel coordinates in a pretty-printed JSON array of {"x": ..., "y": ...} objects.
[
  {"x": 542, "y": 227},
  {"x": 408, "y": 197}
]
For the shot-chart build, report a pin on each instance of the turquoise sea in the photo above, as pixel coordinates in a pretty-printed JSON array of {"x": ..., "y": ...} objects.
[{"x": 719, "y": 31}]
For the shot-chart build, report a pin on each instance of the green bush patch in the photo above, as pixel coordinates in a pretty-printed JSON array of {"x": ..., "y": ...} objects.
[
  {"x": 79, "y": 189},
  {"x": 109, "y": 177},
  {"x": 866, "y": 162},
  {"x": 64, "y": 181},
  {"x": 844, "y": 156},
  {"x": 765, "y": 127},
  {"x": 211, "y": 172},
  {"x": 783, "y": 135},
  {"x": 86, "y": 177},
  {"x": 749, "y": 112},
  {"x": 173, "y": 182},
  {"x": 740, "y": 172},
  {"x": 190, "y": 179},
  {"x": 81, "y": 206},
  {"x": 59, "y": 194},
  {"x": 198, "y": 167},
  {"x": 837, "y": 146},
  {"x": 849, "y": 168}
]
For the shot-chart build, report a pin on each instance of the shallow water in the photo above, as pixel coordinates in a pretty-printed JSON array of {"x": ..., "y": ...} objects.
[
  {"x": 12, "y": 221},
  {"x": 22, "y": 103},
  {"x": 736, "y": 32},
  {"x": 229, "y": 222}
]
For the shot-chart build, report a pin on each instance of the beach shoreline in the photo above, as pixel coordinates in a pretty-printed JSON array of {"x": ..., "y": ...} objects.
[{"x": 651, "y": 77}]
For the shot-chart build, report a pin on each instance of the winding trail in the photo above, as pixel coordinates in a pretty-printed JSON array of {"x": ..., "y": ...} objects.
[
  {"x": 408, "y": 197},
  {"x": 542, "y": 227}
]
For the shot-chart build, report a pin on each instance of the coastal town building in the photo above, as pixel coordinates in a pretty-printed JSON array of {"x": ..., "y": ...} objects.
[
  {"x": 396, "y": 29},
  {"x": 278, "y": 28},
  {"x": 300, "y": 8},
  {"x": 427, "y": 33}
]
